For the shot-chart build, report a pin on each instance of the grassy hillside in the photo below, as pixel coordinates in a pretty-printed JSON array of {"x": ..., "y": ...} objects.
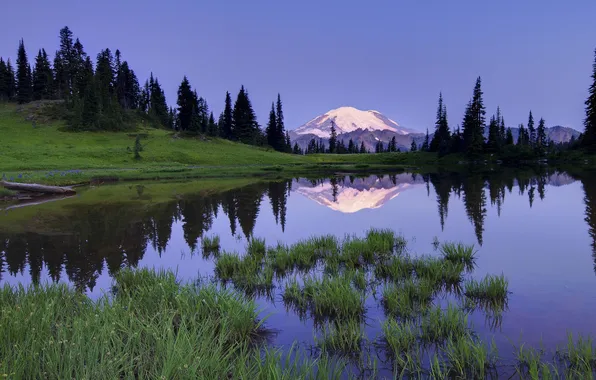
[{"x": 35, "y": 148}]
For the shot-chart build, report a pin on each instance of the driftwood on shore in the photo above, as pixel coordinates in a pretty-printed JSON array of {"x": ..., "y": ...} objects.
[{"x": 35, "y": 188}]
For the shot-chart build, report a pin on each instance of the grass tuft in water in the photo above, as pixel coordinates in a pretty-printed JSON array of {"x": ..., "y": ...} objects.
[
  {"x": 396, "y": 269},
  {"x": 381, "y": 241},
  {"x": 256, "y": 247},
  {"x": 400, "y": 337},
  {"x": 469, "y": 359},
  {"x": 343, "y": 338},
  {"x": 407, "y": 300},
  {"x": 491, "y": 289},
  {"x": 441, "y": 325},
  {"x": 211, "y": 245},
  {"x": 579, "y": 355},
  {"x": 460, "y": 254}
]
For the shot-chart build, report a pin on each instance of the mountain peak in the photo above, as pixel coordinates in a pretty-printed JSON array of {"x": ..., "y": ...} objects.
[{"x": 348, "y": 119}]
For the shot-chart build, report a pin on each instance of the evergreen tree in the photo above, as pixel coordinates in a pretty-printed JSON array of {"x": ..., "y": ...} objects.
[
  {"x": 23, "y": 75},
  {"x": 42, "y": 77},
  {"x": 11, "y": 83},
  {"x": 351, "y": 146},
  {"x": 541, "y": 140},
  {"x": 3, "y": 81},
  {"x": 172, "y": 119},
  {"x": 531, "y": 130},
  {"x": 186, "y": 105},
  {"x": 282, "y": 143},
  {"x": 362, "y": 148},
  {"x": 473, "y": 123},
  {"x": 288, "y": 143},
  {"x": 589, "y": 136},
  {"x": 457, "y": 141},
  {"x": 296, "y": 149},
  {"x": 509, "y": 137},
  {"x": 245, "y": 127},
  {"x": 212, "y": 130},
  {"x": 341, "y": 147},
  {"x": 502, "y": 130},
  {"x": 524, "y": 138},
  {"x": 441, "y": 139},
  {"x": 393, "y": 145},
  {"x": 425, "y": 144},
  {"x": 158, "y": 108},
  {"x": 379, "y": 147},
  {"x": 64, "y": 64},
  {"x": 333, "y": 139},
  {"x": 271, "y": 129},
  {"x": 413, "y": 147},
  {"x": 493, "y": 144},
  {"x": 227, "y": 120}
]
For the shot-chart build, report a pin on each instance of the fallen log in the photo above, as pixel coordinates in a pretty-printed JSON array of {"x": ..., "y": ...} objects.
[
  {"x": 35, "y": 188},
  {"x": 36, "y": 202}
]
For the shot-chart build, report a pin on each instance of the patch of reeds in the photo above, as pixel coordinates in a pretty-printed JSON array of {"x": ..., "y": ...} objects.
[
  {"x": 469, "y": 358},
  {"x": 438, "y": 325},
  {"x": 328, "y": 298},
  {"x": 382, "y": 242},
  {"x": 396, "y": 269},
  {"x": 344, "y": 338},
  {"x": 579, "y": 355},
  {"x": 183, "y": 331},
  {"x": 211, "y": 245},
  {"x": 491, "y": 289},
  {"x": 407, "y": 299},
  {"x": 530, "y": 366},
  {"x": 400, "y": 337},
  {"x": 459, "y": 253}
]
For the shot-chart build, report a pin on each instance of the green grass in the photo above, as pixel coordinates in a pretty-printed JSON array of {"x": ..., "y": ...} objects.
[
  {"x": 57, "y": 332},
  {"x": 408, "y": 299},
  {"x": 580, "y": 355},
  {"x": 491, "y": 290},
  {"x": 6, "y": 193},
  {"x": 211, "y": 245},
  {"x": 440, "y": 325},
  {"x": 459, "y": 253},
  {"x": 400, "y": 337},
  {"x": 45, "y": 153},
  {"x": 468, "y": 358},
  {"x": 344, "y": 338}
]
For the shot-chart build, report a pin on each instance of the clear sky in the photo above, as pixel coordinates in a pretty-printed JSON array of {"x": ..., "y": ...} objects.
[{"x": 391, "y": 56}]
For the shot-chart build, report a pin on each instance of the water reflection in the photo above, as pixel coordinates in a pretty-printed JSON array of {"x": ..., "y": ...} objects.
[{"x": 83, "y": 241}]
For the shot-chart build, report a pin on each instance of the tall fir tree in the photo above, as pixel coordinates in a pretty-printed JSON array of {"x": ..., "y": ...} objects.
[
  {"x": 473, "y": 123},
  {"x": 11, "y": 83},
  {"x": 589, "y": 136},
  {"x": 280, "y": 127},
  {"x": 158, "y": 108},
  {"x": 502, "y": 130},
  {"x": 3, "y": 81},
  {"x": 392, "y": 145},
  {"x": 441, "y": 139},
  {"x": 271, "y": 129},
  {"x": 64, "y": 63},
  {"x": 351, "y": 146},
  {"x": 531, "y": 130},
  {"x": 413, "y": 146},
  {"x": 333, "y": 139},
  {"x": 185, "y": 105},
  {"x": 362, "y": 148},
  {"x": 212, "y": 129},
  {"x": 23, "y": 75},
  {"x": 296, "y": 149},
  {"x": 42, "y": 77},
  {"x": 225, "y": 127},
  {"x": 509, "y": 137},
  {"x": 493, "y": 145},
  {"x": 426, "y": 144},
  {"x": 245, "y": 127},
  {"x": 541, "y": 139}
]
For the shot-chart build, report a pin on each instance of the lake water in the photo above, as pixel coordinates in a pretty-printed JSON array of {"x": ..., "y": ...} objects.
[{"x": 538, "y": 229}]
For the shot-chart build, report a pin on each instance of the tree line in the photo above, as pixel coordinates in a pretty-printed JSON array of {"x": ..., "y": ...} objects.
[{"x": 105, "y": 94}]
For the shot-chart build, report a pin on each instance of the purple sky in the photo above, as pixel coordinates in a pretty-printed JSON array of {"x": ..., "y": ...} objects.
[{"x": 392, "y": 56}]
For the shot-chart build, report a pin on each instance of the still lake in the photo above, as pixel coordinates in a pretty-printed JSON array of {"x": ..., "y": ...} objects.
[{"x": 536, "y": 228}]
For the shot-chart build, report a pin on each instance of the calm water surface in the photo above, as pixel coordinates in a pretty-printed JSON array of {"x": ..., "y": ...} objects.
[{"x": 538, "y": 230}]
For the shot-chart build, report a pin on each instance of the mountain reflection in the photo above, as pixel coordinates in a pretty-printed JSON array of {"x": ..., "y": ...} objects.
[{"x": 83, "y": 241}]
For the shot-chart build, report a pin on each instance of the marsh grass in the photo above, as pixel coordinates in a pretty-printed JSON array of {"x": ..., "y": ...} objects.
[
  {"x": 396, "y": 269},
  {"x": 490, "y": 290},
  {"x": 579, "y": 355},
  {"x": 440, "y": 325},
  {"x": 459, "y": 253},
  {"x": 400, "y": 337},
  {"x": 345, "y": 338},
  {"x": 408, "y": 299},
  {"x": 530, "y": 365},
  {"x": 470, "y": 359},
  {"x": 211, "y": 246},
  {"x": 154, "y": 327}
]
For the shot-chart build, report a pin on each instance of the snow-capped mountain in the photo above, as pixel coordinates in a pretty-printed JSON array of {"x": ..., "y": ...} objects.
[
  {"x": 349, "y": 119},
  {"x": 366, "y": 127},
  {"x": 362, "y": 193}
]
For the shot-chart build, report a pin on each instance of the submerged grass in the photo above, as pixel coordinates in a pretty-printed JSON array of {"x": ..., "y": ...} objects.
[
  {"x": 468, "y": 358},
  {"x": 343, "y": 338},
  {"x": 491, "y": 289},
  {"x": 440, "y": 325},
  {"x": 211, "y": 245},
  {"x": 460, "y": 254},
  {"x": 152, "y": 328}
]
